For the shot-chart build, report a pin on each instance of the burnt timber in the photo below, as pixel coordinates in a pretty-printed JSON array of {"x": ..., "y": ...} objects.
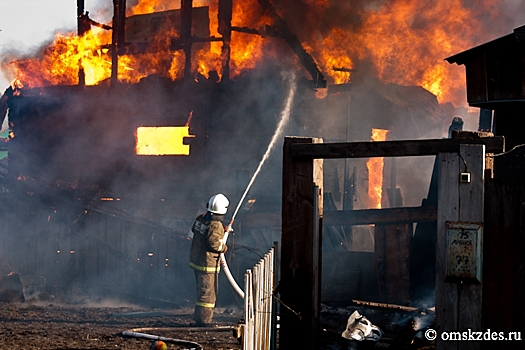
[
  {"x": 185, "y": 41},
  {"x": 354, "y": 217},
  {"x": 301, "y": 263},
  {"x": 405, "y": 148}
]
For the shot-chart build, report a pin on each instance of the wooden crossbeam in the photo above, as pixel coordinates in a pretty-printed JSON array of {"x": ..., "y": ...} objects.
[
  {"x": 380, "y": 216},
  {"x": 352, "y": 217},
  {"x": 401, "y": 148}
]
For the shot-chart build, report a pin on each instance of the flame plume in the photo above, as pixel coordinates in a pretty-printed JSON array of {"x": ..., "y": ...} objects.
[
  {"x": 399, "y": 41},
  {"x": 375, "y": 172}
]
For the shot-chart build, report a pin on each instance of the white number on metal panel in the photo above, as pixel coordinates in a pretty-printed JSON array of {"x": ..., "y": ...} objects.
[{"x": 464, "y": 259}]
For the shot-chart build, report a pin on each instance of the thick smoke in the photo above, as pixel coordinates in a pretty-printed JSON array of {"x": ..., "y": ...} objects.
[
  {"x": 74, "y": 147},
  {"x": 79, "y": 149}
]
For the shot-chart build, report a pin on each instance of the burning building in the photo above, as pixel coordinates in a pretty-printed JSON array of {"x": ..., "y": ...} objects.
[{"x": 88, "y": 197}]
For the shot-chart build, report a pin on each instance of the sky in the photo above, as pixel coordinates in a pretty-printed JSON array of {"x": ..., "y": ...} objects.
[{"x": 27, "y": 24}]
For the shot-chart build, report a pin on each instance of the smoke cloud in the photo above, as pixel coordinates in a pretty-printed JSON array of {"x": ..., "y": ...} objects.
[{"x": 75, "y": 146}]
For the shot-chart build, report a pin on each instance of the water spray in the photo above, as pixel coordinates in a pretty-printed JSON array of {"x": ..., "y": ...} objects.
[{"x": 285, "y": 115}]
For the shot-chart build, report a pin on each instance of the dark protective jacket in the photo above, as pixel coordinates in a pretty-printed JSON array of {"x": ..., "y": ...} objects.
[{"x": 208, "y": 242}]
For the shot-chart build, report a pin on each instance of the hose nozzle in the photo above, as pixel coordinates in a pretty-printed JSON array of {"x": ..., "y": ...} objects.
[{"x": 229, "y": 228}]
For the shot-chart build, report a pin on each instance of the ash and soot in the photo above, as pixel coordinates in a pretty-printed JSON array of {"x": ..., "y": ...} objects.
[{"x": 95, "y": 216}]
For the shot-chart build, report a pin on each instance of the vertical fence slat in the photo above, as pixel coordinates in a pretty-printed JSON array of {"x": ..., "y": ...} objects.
[{"x": 258, "y": 313}]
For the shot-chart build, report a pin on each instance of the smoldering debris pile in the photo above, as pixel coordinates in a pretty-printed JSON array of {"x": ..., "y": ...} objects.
[{"x": 386, "y": 326}]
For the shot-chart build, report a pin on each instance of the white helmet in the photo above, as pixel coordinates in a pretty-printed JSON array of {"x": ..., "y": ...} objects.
[{"x": 218, "y": 204}]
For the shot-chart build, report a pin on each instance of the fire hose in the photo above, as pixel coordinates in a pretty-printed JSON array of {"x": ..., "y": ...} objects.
[
  {"x": 134, "y": 334},
  {"x": 187, "y": 344},
  {"x": 137, "y": 333},
  {"x": 280, "y": 127},
  {"x": 224, "y": 265}
]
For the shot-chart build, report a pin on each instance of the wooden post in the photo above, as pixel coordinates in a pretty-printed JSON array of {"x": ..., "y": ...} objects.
[
  {"x": 299, "y": 288},
  {"x": 225, "y": 29},
  {"x": 458, "y": 304},
  {"x": 392, "y": 243},
  {"x": 82, "y": 28},
  {"x": 117, "y": 39},
  {"x": 392, "y": 251},
  {"x": 186, "y": 9}
]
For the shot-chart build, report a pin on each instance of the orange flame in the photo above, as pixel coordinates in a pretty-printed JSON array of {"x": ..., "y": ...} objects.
[
  {"x": 375, "y": 172},
  {"x": 402, "y": 41},
  {"x": 246, "y": 50},
  {"x": 406, "y": 42},
  {"x": 61, "y": 61}
]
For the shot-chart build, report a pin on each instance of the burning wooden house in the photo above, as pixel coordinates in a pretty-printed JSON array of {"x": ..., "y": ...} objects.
[{"x": 88, "y": 196}]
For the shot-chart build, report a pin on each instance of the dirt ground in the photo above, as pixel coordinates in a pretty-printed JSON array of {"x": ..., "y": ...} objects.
[
  {"x": 100, "y": 325},
  {"x": 48, "y": 326}
]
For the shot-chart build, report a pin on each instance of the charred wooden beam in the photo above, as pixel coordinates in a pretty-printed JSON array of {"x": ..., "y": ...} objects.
[
  {"x": 403, "y": 148},
  {"x": 97, "y": 24},
  {"x": 82, "y": 28},
  {"x": 343, "y": 69},
  {"x": 391, "y": 306},
  {"x": 118, "y": 35},
  {"x": 380, "y": 216},
  {"x": 225, "y": 29},
  {"x": 185, "y": 34},
  {"x": 247, "y": 30},
  {"x": 84, "y": 23},
  {"x": 281, "y": 29},
  {"x": 121, "y": 35},
  {"x": 425, "y": 213}
]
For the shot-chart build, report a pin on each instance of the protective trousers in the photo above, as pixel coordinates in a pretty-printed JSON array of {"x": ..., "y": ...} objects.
[{"x": 206, "y": 296}]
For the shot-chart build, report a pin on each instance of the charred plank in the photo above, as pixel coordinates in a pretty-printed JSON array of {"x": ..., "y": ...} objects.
[{"x": 402, "y": 148}]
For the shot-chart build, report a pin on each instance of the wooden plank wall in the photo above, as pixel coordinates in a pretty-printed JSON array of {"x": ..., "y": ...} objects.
[
  {"x": 458, "y": 305},
  {"x": 503, "y": 306},
  {"x": 100, "y": 256},
  {"x": 392, "y": 258},
  {"x": 301, "y": 260}
]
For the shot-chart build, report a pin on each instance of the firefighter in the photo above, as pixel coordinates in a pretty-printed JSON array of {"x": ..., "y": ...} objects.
[{"x": 207, "y": 245}]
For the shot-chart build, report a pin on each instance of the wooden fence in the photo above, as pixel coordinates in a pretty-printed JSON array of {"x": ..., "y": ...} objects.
[
  {"x": 96, "y": 254},
  {"x": 259, "y": 309}
]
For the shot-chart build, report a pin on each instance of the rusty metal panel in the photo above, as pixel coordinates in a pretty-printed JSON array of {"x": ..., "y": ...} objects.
[{"x": 463, "y": 251}]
